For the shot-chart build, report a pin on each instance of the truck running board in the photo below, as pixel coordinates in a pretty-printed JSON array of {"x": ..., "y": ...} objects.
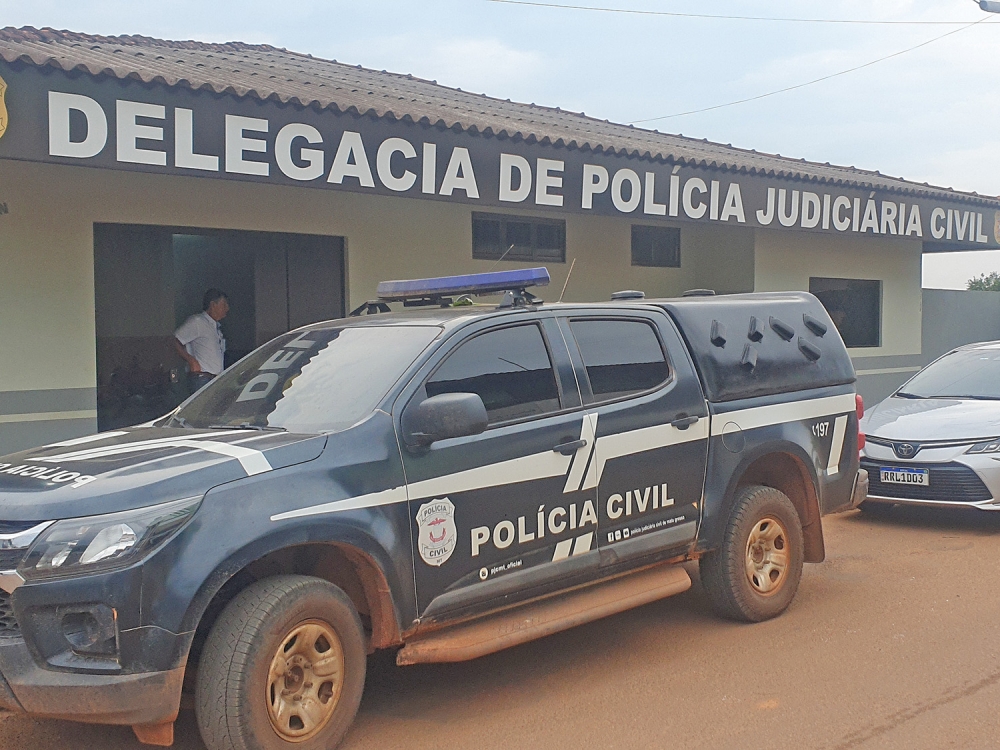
[{"x": 526, "y": 623}]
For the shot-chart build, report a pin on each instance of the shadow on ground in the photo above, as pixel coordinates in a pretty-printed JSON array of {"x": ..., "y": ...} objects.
[
  {"x": 940, "y": 519},
  {"x": 428, "y": 692}
]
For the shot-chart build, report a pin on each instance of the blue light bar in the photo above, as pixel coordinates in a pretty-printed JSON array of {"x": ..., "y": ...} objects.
[{"x": 473, "y": 283}]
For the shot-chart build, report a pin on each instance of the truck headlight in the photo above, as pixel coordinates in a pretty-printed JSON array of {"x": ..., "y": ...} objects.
[{"x": 79, "y": 546}]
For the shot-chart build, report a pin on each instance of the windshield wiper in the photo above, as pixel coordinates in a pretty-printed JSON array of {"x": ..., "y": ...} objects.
[
  {"x": 903, "y": 394},
  {"x": 177, "y": 421},
  {"x": 247, "y": 426},
  {"x": 977, "y": 398}
]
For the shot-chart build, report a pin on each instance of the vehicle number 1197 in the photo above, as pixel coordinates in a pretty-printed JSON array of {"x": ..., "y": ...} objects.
[{"x": 821, "y": 429}]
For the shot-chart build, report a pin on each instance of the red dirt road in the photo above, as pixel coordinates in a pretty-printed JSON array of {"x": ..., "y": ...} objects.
[{"x": 893, "y": 642}]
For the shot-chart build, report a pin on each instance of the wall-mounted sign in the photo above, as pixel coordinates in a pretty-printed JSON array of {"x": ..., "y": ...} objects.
[{"x": 105, "y": 122}]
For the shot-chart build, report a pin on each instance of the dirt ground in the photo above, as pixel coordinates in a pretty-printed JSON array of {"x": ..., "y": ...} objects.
[{"x": 893, "y": 642}]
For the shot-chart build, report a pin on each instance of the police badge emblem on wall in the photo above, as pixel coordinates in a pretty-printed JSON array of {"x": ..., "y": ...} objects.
[
  {"x": 3, "y": 107},
  {"x": 436, "y": 531}
]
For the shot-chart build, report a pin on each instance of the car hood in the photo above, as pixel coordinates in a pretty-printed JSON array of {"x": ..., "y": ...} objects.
[
  {"x": 139, "y": 467},
  {"x": 930, "y": 419}
]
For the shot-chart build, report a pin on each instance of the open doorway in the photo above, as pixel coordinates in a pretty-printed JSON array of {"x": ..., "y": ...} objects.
[{"x": 148, "y": 280}]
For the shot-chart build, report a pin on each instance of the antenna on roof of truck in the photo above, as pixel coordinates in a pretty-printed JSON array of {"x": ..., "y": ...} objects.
[{"x": 566, "y": 284}]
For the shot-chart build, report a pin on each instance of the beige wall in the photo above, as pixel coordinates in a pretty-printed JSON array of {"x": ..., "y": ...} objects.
[
  {"x": 786, "y": 261},
  {"x": 46, "y": 283},
  {"x": 46, "y": 251},
  {"x": 712, "y": 257},
  {"x": 47, "y": 276},
  {"x": 723, "y": 258},
  {"x": 47, "y": 331}
]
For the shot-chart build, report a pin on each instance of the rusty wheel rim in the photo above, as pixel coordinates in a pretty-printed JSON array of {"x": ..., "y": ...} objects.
[
  {"x": 305, "y": 681},
  {"x": 767, "y": 556}
]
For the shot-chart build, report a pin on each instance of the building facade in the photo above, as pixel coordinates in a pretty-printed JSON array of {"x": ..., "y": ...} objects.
[{"x": 135, "y": 173}]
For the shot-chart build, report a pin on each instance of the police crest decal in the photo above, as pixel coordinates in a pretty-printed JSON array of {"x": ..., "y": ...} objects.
[
  {"x": 437, "y": 534},
  {"x": 3, "y": 108}
]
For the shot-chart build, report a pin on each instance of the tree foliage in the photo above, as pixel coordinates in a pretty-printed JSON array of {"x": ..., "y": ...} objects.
[{"x": 985, "y": 282}]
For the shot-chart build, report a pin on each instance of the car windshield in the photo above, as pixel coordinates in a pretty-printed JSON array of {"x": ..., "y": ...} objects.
[
  {"x": 971, "y": 373},
  {"x": 319, "y": 380}
]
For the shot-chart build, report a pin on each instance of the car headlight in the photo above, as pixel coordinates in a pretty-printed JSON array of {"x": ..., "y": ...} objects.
[
  {"x": 990, "y": 446},
  {"x": 80, "y": 546}
]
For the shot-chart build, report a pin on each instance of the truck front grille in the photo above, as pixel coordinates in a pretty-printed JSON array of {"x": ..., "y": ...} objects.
[
  {"x": 8, "y": 623},
  {"x": 949, "y": 483},
  {"x": 14, "y": 543},
  {"x": 10, "y": 559}
]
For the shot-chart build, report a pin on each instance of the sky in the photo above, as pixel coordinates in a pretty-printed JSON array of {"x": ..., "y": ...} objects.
[{"x": 930, "y": 115}]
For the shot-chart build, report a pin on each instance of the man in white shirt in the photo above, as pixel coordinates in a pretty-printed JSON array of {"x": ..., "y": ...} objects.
[{"x": 199, "y": 340}]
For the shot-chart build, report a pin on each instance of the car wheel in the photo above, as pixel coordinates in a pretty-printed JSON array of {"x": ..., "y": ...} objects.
[
  {"x": 755, "y": 573},
  {"x": 878, "y": 510},
  {"x": 283, "y": 667}
]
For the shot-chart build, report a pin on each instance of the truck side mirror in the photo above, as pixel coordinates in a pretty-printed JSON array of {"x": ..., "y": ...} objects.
[{"x": 448, "y": 415}]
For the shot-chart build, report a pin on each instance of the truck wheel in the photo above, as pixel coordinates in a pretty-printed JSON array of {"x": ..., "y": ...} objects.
[
  {"x": 753, "y": 576},
  {"x": 282, "y": 668}
]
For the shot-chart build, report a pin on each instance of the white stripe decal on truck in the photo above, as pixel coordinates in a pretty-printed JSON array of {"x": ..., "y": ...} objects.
[
  {"x": 584, "y": 455},
  {"x": 526, "y": 469},
  {"x": 551, "y": 464},
  {"x": 253, "y": 461},
  {"x": 140, "y": 445},
  {"x": 579, "y": 546},
  {"x": 583, "y": 543},
  {"x": 85, "y": 439},
  {"x": 794, "y": 411},
  {"x": 837, "y": 446},
  {"x": 373, "y": 500},
  {"x": 562, "y": 550},
  {"x": 638, "y": 441}
]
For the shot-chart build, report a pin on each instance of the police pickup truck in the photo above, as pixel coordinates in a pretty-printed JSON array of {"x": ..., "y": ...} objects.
[{"x": 447, "y": 481}]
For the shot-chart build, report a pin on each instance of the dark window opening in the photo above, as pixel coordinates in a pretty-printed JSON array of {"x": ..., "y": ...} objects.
[
  {"x": 149, "y": 279},
  {"x": 518, "y": 238},
  {"x": 855, "y": 305},
  {"x": 659, "y": 247},
  {"x": 622, "y": 357},
  {"x": 509, "y": 369}
]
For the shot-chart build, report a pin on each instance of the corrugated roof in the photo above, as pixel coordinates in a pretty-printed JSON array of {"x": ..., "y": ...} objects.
[{"x": 268, "y": 73}]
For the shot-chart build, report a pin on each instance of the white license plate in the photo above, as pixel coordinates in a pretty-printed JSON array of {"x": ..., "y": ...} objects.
[{"x": 896, "y": 475}]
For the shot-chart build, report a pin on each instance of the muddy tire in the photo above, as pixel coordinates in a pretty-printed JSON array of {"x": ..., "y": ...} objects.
[
  {"x": 282, "y": 668},
  {"x": 754, "y": 574}
]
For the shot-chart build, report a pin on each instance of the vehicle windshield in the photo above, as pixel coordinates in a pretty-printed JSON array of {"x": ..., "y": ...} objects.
[
  {"x": 319, "y": 380},
  {"x": 971, "y": 373}
]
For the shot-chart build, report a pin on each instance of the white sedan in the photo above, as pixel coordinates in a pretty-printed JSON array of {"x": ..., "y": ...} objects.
[{"x": 936, "y": 441}]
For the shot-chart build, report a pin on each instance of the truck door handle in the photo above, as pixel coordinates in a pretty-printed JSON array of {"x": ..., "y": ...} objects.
[
  {"x": 683, "y": 421},
  {"x": 568, "y": 449}
]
